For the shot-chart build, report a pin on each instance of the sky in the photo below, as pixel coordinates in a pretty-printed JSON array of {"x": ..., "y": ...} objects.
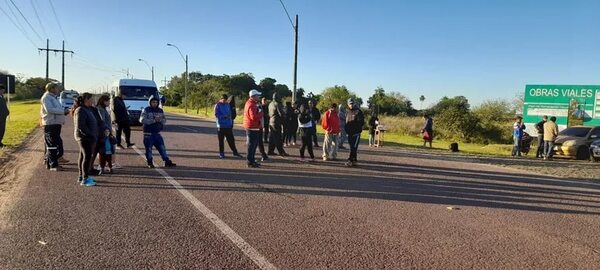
[{"x": 479, "y": 49}]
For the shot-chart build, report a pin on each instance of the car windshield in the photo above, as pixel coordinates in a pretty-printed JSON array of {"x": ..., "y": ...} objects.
[
  {"x": 138, "y": 92},
  {"x": 575, "y": 131},
  {"x": 68, "y": 95}
]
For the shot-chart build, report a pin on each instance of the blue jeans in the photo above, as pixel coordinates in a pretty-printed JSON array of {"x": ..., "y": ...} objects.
[
  {"x": 253, "y": 137},
  {"x": 548, "y": 149},
  {"x": 343, "y": 137},
  {"x": 516, "y": 151},
  {"x": 155, "y": 140}
]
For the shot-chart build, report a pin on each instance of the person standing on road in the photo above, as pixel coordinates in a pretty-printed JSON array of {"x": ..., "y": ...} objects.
[
  {"x": 224, "y": 120},
  {"x": 315, "y": 114},
  {"x": 331, "y": 125},
  {"x": 4, "y": 112},
  {"x": 153, "y": 119},
  {"x": 427, "y": 131},
  {"x": 355, "y": 120},
  {"x": 550, "y": 134},
  {"x": 342, "y": 117},
  {"x": 265, "y": 122},
  {"x": 53, "y": 118},
  {"x": 305, "y": 124},
  {"x": 373, "y": 123},
  {"x": 232, "y": 107},
  {"x": 86, "y": 135},
  {"x": 252, "y": 123},
  {"x": 518, "y": 130},
  {"x": 121, "y": 119},
  {"x": 540, "y": 130},
  {"x": 292, "y": 119},
  {"x": 287, "y": 123},
  {"x": 276, "y": 116}
]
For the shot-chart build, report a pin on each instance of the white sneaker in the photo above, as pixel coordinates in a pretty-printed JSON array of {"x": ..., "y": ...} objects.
[
  {"x": 99, "y": 168},
  {"x": 117, "y": 166}
]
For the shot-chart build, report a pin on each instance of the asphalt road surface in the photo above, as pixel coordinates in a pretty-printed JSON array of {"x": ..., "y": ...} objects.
[{"x": 396, "y": 210}]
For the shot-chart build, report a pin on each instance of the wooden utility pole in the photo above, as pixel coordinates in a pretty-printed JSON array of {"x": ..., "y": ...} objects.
[{"x": 48, "y": 50}]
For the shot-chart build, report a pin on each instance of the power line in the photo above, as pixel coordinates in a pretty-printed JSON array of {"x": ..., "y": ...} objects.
[
  {"x": 286, "y": 12},
  {"x": 38, "y": 18},
  {"x": 18, "y": 27},
  {"x": 57, "y": 21},
  {"x": 27, "y": 21}
]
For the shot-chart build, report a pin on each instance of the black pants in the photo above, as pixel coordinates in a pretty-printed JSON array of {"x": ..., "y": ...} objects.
[
  {"x": 54, "y": 145},
  {"x": 540, "y": 148},
  {"x": 106, "y": 159},
  {"x": 261, "y": 144},
  {"x": 265, "y": 135},
  {"x": 226, "y": 133},
  {"x": 124, "y": 127},
  {"x": 314, "y": 135},
  {"x": 2, "y": 127},
  {"x": 353, "y": 141},
  {"x": 290, "y": 134},
  {"x": 275, "y": 141},
  {"x": 306, "y": 142},
  {"x": 86, "y": 151}
]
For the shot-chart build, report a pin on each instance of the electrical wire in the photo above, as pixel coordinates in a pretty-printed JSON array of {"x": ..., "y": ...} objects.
[
  {"x": 18, "y": 27},
  {"x": 288, "y": 15},
  {"x": 27, "y": 21},
  {"x": 57, "y": 21},
  {"x": 38, "y": 18}
]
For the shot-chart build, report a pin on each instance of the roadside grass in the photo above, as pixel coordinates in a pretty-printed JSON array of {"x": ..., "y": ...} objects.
[
  {"x": 24, "y": 118},
  {"x": 390, "y": 138}
]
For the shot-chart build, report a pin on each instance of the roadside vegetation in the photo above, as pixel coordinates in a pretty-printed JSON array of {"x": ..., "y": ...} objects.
[{"x": 24, "y": 118}]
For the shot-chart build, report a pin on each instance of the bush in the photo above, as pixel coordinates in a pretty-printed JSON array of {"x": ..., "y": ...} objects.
[{"x": 402, "y": 125}]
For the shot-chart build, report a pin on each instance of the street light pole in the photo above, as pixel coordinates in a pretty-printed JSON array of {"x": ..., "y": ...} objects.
[
  {"x": 185, "y": 59},
  {"x": 148, "y": 65},
  {"x": 295, "y": 59}
]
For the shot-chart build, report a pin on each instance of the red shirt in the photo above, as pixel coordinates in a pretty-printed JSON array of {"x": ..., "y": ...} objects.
[
  {"x": 252, "y": 115},
  {"x": 331, "y": 122}
]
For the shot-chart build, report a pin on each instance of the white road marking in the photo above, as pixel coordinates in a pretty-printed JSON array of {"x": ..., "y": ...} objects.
[{"x": 251, "y": 252}]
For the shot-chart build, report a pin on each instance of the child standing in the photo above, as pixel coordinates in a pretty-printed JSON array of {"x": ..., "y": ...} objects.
[{"x": 106, "y": 150}]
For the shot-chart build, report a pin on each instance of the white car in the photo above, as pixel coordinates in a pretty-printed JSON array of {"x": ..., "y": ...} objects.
[{"x": 67, "y": 98}]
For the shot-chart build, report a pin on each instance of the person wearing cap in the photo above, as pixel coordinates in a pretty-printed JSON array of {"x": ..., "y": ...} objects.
[
  {"x": 53, "y": 118},
  {"x": 153, "y": 119},
  {"x": 4, "y": 112},
  {"x": 355, "y": 120},
  {"x": 253, "y": 114}
]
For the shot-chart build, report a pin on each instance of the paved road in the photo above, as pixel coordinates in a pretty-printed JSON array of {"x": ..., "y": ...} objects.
[{"x": 390, "y": 212}]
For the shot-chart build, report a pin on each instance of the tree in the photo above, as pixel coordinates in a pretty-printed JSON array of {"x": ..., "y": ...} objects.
[
  {"x": 422, "y": 99},
  {"x": 267, "y": 87},
  {"x": 283, "y": 90},
  {"x": 461, "y": 103},
  {"x": 32, "y": 88},
  {"x": 335, "y": 94},
  {"x": 392, "y": 104},
  {"x": 495, "y": 118}
]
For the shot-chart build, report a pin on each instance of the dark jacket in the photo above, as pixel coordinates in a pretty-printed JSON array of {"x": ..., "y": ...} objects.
[
  {"x": 373, "y": 124},
  {"x": 305, "y": 119},
  {"x": 540, "y": 127},
  {"x": 86, "y": 125},
  {"x": 355, "y": 120},
  {"x": 105, "y": 115},
  {"x": 4, "y": 112},
  {"x": 428, "y": 126},
  {"x": 276, "y": 112},
  {"x": 119, "y": 110},
  {"x": 99, "y": 122},
  {"x": 315, "y": 114},
  {"x": 153, "y": 119}
]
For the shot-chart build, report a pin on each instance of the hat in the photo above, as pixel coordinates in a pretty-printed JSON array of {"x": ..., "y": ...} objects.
[
  {"x": 350, "y": 101},
  {"x": 254, "y": 92}
]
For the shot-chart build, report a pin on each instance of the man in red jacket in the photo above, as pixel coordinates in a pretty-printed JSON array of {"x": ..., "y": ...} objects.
[
  {"x": 331, "y": 125},
  {"x": 252, "y": 123}
]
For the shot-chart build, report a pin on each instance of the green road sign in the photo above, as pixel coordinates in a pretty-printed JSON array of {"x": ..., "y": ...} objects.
[{"x": 570, "y": 104}]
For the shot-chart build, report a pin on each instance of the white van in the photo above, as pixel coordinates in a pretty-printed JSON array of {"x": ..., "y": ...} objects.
[
  {"x": 67, "y": 98},
  {"x": 136, "y": 94}
]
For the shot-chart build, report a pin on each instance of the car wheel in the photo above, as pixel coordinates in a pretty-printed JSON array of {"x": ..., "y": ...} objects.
[
  {"x": 582, "y": 153},
  {"x": 593, "y": 158}
]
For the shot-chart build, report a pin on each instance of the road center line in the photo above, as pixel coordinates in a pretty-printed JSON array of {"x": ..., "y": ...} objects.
[{"x": 251, "y": 252}]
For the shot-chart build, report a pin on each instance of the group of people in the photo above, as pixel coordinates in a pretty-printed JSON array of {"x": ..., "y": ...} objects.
[
  {"x": 93, "y": 131},
  {"x": 278, "y": 126},
  {"x": 547, "y": 130}
]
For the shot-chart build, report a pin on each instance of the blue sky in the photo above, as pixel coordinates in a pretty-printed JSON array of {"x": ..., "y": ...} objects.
[{"x": 479, "y": 49}]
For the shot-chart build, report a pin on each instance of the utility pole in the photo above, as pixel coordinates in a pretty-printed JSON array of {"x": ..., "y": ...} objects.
[
  {"x": 48, "y": 50},
  {"x": 295, "y": 60}
]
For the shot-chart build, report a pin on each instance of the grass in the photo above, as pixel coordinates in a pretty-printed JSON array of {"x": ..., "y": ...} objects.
[
  {"x": 24, "y": 118},
  {"x": 392, "y": 138}
]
